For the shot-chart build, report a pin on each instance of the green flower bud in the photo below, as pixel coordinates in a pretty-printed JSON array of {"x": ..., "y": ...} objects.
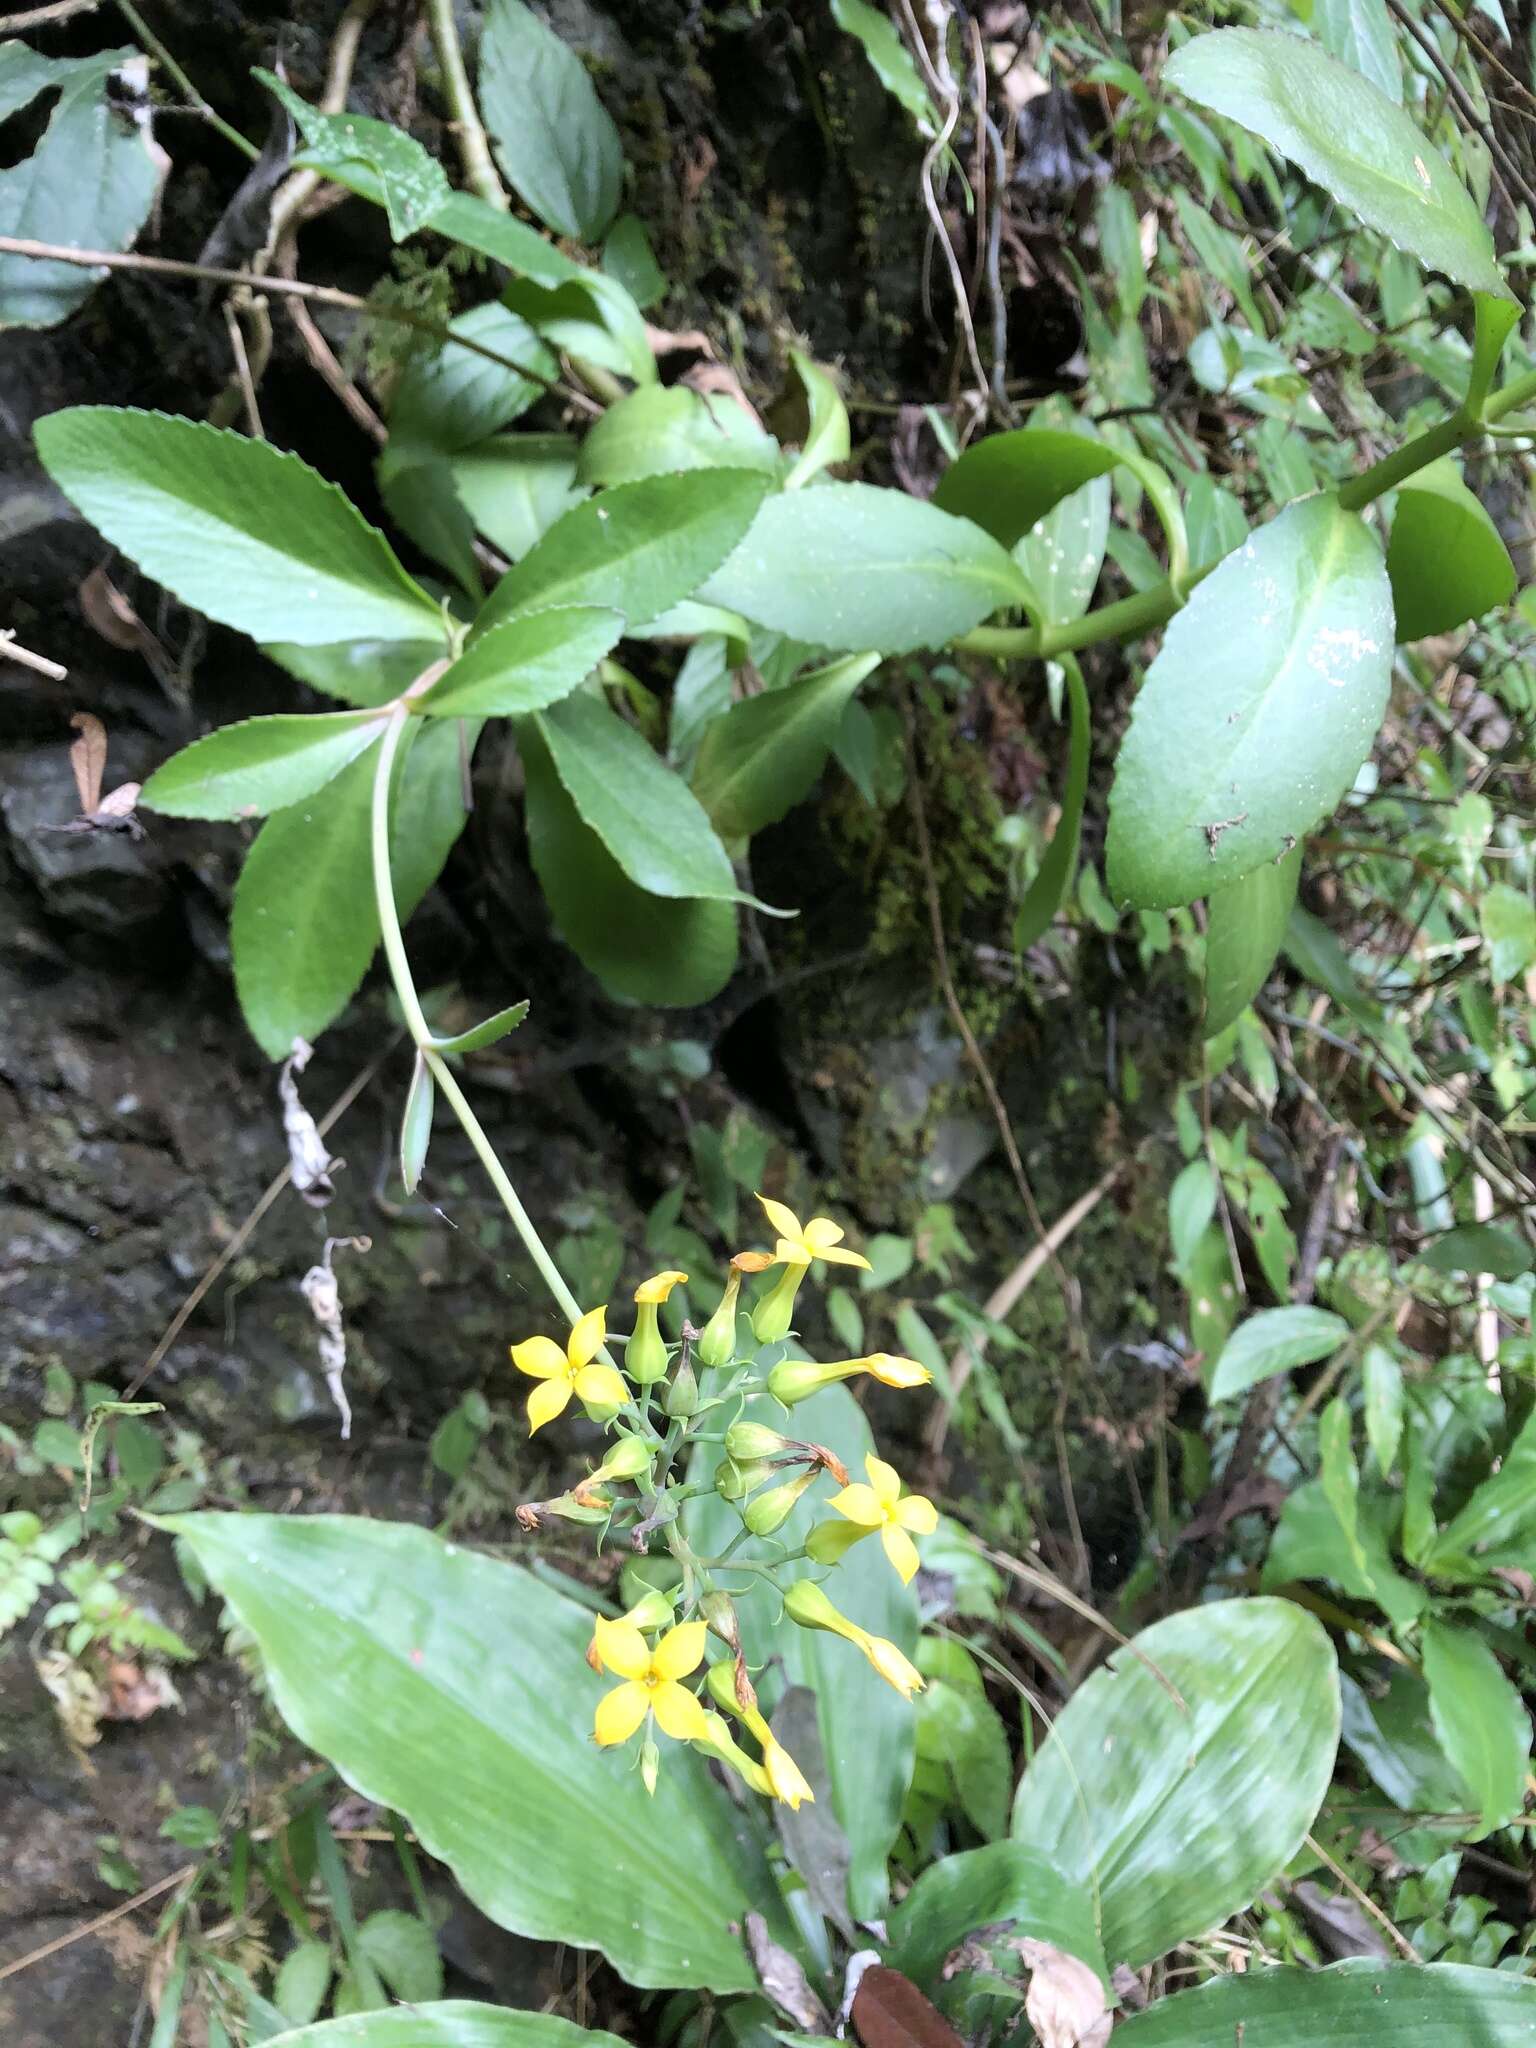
[
  {"x": 645, "y": 1355},
  {"x": 776, "y": 1311},
  {"x": 719, "y": 1610},
  {"x": 747, "y": 1441},
  {"x": 772, "y": 1508},
  {"x": 805, "y": 1602},
  {"x": 830, "y": 1542},
  {"x": 717, "y": 1344},
  {"x": 650, "y": 1766},
  {"x": 630, "y": 1456},
  {"x": 735, "y": 1482},
  {"x": 796, "y": 1379},
  {"x": 681, "y": 1395}
]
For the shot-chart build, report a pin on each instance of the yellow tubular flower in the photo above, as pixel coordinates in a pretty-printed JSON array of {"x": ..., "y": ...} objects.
[
  {"x": 658, "y": 1287},
  {"x": 650, "y": 1682},
  {"x": 807, "y": 1604},
  {"x": 786, "y": 1780},
  {"x": 796, "y": 1379},
  {"x": 721, "y": 1743},
  {"x": 881, "y": 1505},
  {"x": 798, "y": 1244},
  {"x": 563, "y": 1373}
]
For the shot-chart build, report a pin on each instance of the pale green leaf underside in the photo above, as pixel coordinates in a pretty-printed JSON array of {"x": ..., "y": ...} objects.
[
  {"x": 455, "y": 1690},
  {"x": 1348, "y": 137},
  {"x": 259, "y": 765},
  {"x": 250, "y": 536},
  {"x": 1255, "y": 716},
  {"x": 1443, "y": 2005},
  {"x": 1138, "y": 1791},
  {"x": 854, "y": 567},
  {"x": 452, "y": 2023}
]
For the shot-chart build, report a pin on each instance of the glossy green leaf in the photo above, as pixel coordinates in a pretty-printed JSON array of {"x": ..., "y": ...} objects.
[
  {"x": 1479, "y": 1717},
  {"x": 1443, "y": 2005},
  {"x": 1493, "y": 322},
  {"x": 302, "y": 1982},
  {"x": 1360, "y": 34},
  {"x": 890, "y": 59},
  {"x": 642, "y": 810},
  {"x": 855, "y": 567},
  {"x": 629, "y": 258},
  {"x": 412, "y": 185},
  {"x": 1311, "y": 1541},
  {"x": 474, "y": 222},
  {"x": 763, "y": 756},
  {"x": 648, "y": 949},
  {"x": 305, "y": 924},
  {"x": 252, "y": 537},
  {"x": 481, "y": 1035},
  {"x": 90, "y": 183},
  {"x": 1497, "y": 1516},
  {"x": 590, "y": 316},
  {"x": 1258, "y": 711},
  {"x": 1191, "y": 1206},
  {"x": 1479, "y": 1248},
  {"x": 525, "y": 664},
  {"x": 672, "y": 427},
  {"x": 1008, "y": 482},
  {"x": 1004, "y": 1884},
  {"x": 1245, "y": 926},
  {"x": 515, "y": 486},
  {"x": 416, "y": 1124},
  {"x": 639, "y": 548},
  {"x": 1274, "y": 1340},
  {"x": 1058, "y": 869},
  {"x": 1389, "y": 1730},
  {"x": 1348, "y": 137},
  {"x": 454, "y": 398},
  {"x": 1508, "y": 919},
  {"x": 259, "y": 765},
  {"x": 388, "y": 1651},
  {"x": 452, "y": 2023},
  {"x": 867, "y": 1729},
  {"x": 552, "y": 135},
  {"x": 1445, "y": 558},
  {"x": 826, "y": 435},
  {"x": 1135, "y": 1789},
  {"x": 1063, "y": 554}
]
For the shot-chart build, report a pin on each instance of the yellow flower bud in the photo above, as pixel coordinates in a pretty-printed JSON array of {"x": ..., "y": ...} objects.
[
  {"x": 806, "y": 1604},
  {"x": 892, "y": 1666},
  {"x": 659, "y": 1286},
  {"x": 721, "y": 1743},
  {"x": 796, "y": 1379},
  {"x": 771, "y": 1509}
]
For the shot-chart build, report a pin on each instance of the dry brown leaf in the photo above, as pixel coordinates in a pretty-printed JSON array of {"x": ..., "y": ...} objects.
[
  {"x": 890, "y": 2012},
  {"x": 783, "y": 1979},
  {"x": 88, "y": 758},
  {"x": 1065, "y": 2000}
]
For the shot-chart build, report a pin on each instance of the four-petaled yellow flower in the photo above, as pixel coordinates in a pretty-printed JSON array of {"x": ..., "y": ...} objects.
[
  {"x": 567, "y": 1372},
  {"x": 882, "y": 1505},
  {"x": 650, "y": 1682},
  {"x": 798, "y": 1244}
]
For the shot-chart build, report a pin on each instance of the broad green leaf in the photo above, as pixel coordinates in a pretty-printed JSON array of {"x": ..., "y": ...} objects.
[
  {"x": 1445, "y": 558},
  {"x": 259, "y": 765},
  {"x": 1245, "y": 925},
  {"x": 423, "y": 501},
  {"x": 1360, "y": 34},
  {"x": 1348, "y": 2005},
  {"x": 455, "y": 398},
  {"x": 763, "y": 757},
  {"x": 589, "y": 316},
  {"x": 89, "y": 184},
  {"x": 889, "y": 58},
  {"x": 701, "y": 693},
  {"x": 1274, "y": 1340},
  {"x": 552, "y": 135},
  {"x": 629, "y": 259},
  {"x": 1508, "y": 919},
  {"x": 1494, "y": 320},
  {"x": 1349, "y": 138},
  {"x": 1063, "y": 555},
  {"x": 1258, "y": 711},
  {"x": 1136, "y": 1787},
  {"x": 481, "y": 1035},
  {"x": 524, "y": 664},
  {"x": 302, "y": 1982},
  {"x": 1390, "y": 1731},
  {"x": 411, "y": 184},
  {"x": 1191, "y": 1206},
  {"x": 642, "y": 810},
  {"x": 305, "y": 923},
  {"x": 1005, "y": 1883},
  {"x": 252, "y": 537},
  {"x": 649, "y": 949},
  {"x": 427, "y": 804},
  {"x": 515, "y": 486},
  {"x": 1120, "y": 251},
  {"x": 1479, "y": 1717},
  {"x": 1311, "y": 1542},
  {"x": 474, "y": 222},
  {"x": 363, "y": 672},
  {"x": 639, "y": 548},
  {"x": 867, "y": 1729},
  {"x": 1047, "y": 892},
  {"x": 1381, "y": 1381},
  {"x": 1008, "y": 482},
  {"x": 826, "y": 435},
  {"x": 660, "y": 428},
  {"x": 389, "y": 1651},
  {"x": 452, "y": 2023},
  {"x": 1479, "y": 1248},
  {"x": 1339, "y": 1476},
  {"x": 855, "y": 567},
  {"x": 1497, "y": 1517}
]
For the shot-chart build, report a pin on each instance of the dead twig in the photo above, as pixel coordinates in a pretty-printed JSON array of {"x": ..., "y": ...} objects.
[
  {"x": 12, "y": 650},
  {"x": 45, "y": 17},
  {"x": 95, "y": 1926}
]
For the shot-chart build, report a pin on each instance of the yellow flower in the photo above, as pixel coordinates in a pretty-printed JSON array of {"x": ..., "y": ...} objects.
[
  {"x": 659, "y": 1286},
  {"x": 807, "y": 1604},
  {"x": 562, "y": 1373},
  {"x": 881, "y": 1505},
  {"x": 798, "y": 1245},
  {"x": 720, "y": 1742},
  {"x": 786, "y": 1780},
  {"x": 651, "y": 1612},
  {"x": 796, "y": 1379},
  {"x": 650, "y": 1682}
]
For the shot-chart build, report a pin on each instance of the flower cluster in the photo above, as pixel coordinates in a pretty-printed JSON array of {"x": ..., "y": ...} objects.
[{"x": 685, "y": 1422}]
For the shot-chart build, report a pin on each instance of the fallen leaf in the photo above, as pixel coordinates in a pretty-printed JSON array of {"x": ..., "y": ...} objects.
[
  {"x": 88, "y": 758},
  {"x": 890, "y": 2012},
  {"x": 1065, "y": 2000},
  {"x": 783, "y": 1979}
]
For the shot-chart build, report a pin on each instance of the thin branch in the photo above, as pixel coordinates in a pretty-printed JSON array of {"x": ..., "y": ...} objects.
[
  {"x": 167, "y": 62},
  {"x": 319, "y": 294},
  {"x": 107, "y": 1919},
  {"x": 45, "y": 17},
  {"x": 12, "y": 650},
  {"x": 474, "y": 144}
]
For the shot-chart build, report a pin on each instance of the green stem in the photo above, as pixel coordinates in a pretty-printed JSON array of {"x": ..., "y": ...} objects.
[
  {"x": 167, "y": 62},
  {"x": 416, "y": 1024},
  {"x": 474, "y": 146},
  {"x": 1403, "y": 462}
]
